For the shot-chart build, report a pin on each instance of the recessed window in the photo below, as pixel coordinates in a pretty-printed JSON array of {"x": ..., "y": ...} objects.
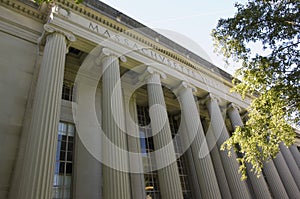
[
  {"x": 74, "y": 51},
  {"x": 147, "y": 146},
  {"x": 181, "y": 164},
  {"x": 62, "y": 185},
  {"x": 67, "y": 91}
]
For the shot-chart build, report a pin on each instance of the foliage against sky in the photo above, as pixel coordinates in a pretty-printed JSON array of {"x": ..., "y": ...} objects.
[{"x": 273, "y": 76}]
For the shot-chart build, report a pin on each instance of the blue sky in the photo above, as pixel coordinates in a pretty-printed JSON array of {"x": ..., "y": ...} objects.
[{"x": 188, "y": 22}]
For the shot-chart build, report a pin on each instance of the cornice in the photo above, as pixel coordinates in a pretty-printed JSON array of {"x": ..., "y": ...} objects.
[
  {"x": 107, "y": 22},
  {"x": 91, "y": 9},
  {"x": 25, "y": 7}
]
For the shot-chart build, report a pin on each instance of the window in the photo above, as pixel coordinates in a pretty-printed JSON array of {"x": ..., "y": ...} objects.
[
  {"x": 67, "y": 91},
  {"x": 62, "y": 185},
  {"x": 147, "y": 145},
  {"x": 182, "y": 167},
  {"x": 152, "y": 186}
]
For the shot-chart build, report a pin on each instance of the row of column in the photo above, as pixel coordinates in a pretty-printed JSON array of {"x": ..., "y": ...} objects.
[
  {"x": 203, "y": 165},
  {"x": 37, "y": 166},
  {"x": 206, "y": 176},
  {"x": 278, "y": 175}
]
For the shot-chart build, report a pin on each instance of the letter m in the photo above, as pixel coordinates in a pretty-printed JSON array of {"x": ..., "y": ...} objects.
[{"x": 94, "y": 28}]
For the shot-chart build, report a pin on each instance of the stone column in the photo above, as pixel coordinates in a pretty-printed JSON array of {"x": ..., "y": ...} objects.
[
  {"x": 168, "y": 176},
  {"x": 192, "y": 174},
  {"x": 116, "y": 183},
  {"x": 134, "y": 146},
  {"x": 238, "y": 188},
  {"x": 259, "y": 185},
  {"x": 188, "y": 157},
  {"x": 218, "y": 166},
  {"x": 204, "y": 167},
  {"x": 291, "y": 163},
  {"x": 295, "y": 154},
  {"x": 276, "y": 187},
  {"x": 273, "y": 178},
  {"x": 37, "y": 172},
  {"x": 286, "y": 177}
]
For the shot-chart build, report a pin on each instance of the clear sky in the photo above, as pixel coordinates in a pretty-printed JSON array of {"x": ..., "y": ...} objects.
[{"x": 188, "y": 22}]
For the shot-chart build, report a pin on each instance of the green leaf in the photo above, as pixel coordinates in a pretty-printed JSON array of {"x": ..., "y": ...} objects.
[{"x": 273, "y": 77}]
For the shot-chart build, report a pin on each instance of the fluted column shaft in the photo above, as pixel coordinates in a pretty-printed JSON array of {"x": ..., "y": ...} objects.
[
  {"x": 218, "y": 166},
  {"x": 116, "y": 183},
  {"x": 134, "y": 146},
  {"x": 286, "y": 176},
  {"x": 238, "y": 188},
  {"x": 37, "y": 172},
  {"x": 291, "y": 163},
  {"x": 273, "y": 178},
  {"x": 296, "y": 154},
  {"x": 276, "y": 186},
  {"x": 204, "y": 167},
  {"x": 168, "y": 176},
  {"x": 188, "y": 157},
  {"x": 259, "y": 185},
  {"x": 193, "y": 179}
]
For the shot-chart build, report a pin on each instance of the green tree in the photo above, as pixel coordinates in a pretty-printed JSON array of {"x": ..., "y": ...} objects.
[{"x": 273, "y": 76}]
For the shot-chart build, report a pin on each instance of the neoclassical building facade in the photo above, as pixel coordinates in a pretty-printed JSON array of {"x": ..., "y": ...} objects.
[{"x": 96, "y": 105}]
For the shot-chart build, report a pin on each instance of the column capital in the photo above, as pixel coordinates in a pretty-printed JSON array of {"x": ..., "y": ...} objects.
[
  {"x": 110, "y": 52},
  {"x": 233, "y": 106},
  {"x": 182, "y": 86},
  {"x": 107, "y": 52},
  {"x": 209, "y": 98},
  {"x": 52, "y": 29},
  {"x": 150, "y": 71}
]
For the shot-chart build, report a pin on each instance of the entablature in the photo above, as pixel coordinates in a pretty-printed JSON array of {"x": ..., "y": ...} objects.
[{"x": 93, "y": 28}]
